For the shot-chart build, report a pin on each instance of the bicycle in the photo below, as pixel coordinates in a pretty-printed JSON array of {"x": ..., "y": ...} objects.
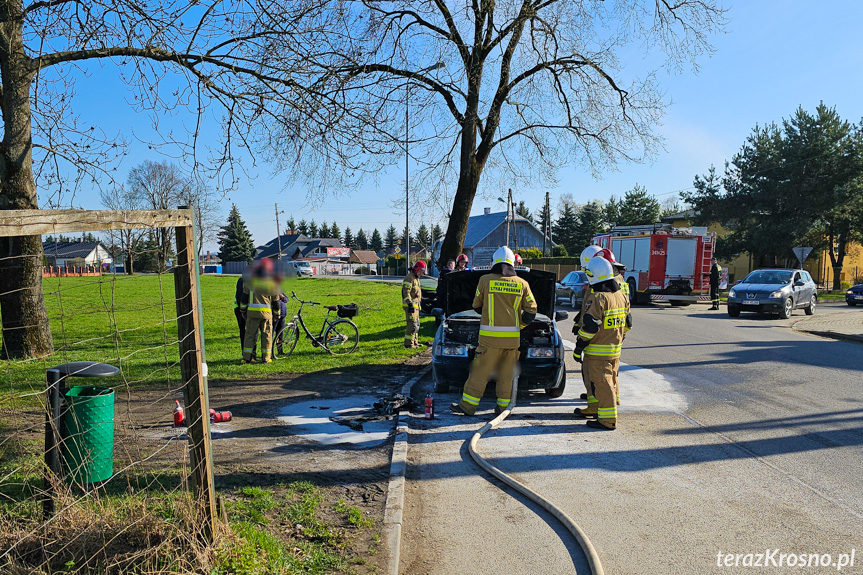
[{"x": 339, "y": 337}]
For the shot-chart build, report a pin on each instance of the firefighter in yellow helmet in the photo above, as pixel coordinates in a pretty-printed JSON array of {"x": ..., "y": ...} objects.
[
  {"x": 506, "y": 304},
  {"x": 411, "y": 296},
  {"x": 606, "y": 320},
  {"x": 260, "y": 294}
]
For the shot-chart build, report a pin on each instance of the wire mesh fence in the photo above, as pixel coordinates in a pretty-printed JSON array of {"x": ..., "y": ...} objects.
[{"x": 94, "y": 476}]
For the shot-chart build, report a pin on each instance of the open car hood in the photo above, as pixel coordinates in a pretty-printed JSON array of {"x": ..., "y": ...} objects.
[{"x": 457, "y": 290}]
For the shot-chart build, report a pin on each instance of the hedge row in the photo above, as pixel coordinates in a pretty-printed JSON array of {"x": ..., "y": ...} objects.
[{"x": 553, "y": 261}]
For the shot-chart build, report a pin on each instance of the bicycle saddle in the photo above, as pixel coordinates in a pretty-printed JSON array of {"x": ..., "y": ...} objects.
[{"x": 332, "y": 307}]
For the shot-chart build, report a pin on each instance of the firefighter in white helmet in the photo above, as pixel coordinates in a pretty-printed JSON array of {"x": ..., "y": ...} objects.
[
  {"x": 624, "y": 288},
  {"x": 506, "y": 304},
  {"x": 586, "y": 255},
  {"x": 605, "y": 321}
]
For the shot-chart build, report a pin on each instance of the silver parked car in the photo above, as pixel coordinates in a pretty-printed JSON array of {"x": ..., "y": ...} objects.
[{"x": 773, "y": 291}]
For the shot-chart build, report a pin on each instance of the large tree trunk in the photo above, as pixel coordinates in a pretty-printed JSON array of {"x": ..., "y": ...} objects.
[
  {"x": 468, "y": 181},
  {"x": 26, "y": 332}
]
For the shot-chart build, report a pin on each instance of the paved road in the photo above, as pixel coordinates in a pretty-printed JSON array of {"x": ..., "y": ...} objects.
[{"x": 735, "y": 436}]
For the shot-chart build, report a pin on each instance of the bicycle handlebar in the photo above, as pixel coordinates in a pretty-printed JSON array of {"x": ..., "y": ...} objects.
[{"x": 294, "y": 295}]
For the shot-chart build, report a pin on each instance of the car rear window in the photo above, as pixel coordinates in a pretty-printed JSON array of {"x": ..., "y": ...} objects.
[
  {"x": 580, "y": 276},
  {"x": 768, "y": 277}
]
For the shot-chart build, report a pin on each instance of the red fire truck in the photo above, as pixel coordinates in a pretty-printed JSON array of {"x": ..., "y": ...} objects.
[{"x": 663, "y": 263}]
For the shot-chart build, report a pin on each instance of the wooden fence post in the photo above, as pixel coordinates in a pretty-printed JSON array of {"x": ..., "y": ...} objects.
[{"x": 195, "y": 388}]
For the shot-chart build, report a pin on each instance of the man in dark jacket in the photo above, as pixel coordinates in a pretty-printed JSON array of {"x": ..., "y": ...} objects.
[
  {"x": 279, "y": 323},
  {"x": 715, "y": 273},
  {"x": 241, "y": 318}
]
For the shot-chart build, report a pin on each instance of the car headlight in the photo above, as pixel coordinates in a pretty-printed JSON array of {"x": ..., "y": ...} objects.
[
  {"x": 453, "y": 350},
  {"x": 776, "y": 294},
  {"x": 849, "y": 292},
  {"x": 538, "y": 352},
  {"x": 732, "y": 293}
]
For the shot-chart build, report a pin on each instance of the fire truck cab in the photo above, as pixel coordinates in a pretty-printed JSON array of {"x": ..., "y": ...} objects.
[{"x": 663, "y": 263}]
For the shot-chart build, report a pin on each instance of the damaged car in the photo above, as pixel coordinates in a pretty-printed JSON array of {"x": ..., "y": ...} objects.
[{"x": 542, "y": 352}]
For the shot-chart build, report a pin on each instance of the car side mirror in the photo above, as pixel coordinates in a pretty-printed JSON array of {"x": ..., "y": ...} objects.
[
  {"x": 437, "y": 312},
  {"x": 799, "y": 283},
  {"x": 560, "y": 315}
]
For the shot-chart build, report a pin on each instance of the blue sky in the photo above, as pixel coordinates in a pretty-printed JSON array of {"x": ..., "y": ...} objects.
[{"x": 774, "y": 57}]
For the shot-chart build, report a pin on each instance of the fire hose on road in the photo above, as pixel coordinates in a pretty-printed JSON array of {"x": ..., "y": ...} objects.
[{"x": 571, "y": 526}]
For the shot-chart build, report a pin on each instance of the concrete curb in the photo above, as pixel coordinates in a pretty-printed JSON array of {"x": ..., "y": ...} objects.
[
  {"x": 831, "y": 334},
  {"x": 391, "y": 532}
]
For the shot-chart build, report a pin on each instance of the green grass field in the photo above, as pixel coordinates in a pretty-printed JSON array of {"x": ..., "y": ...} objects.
[{"x": 130, "y": 322}]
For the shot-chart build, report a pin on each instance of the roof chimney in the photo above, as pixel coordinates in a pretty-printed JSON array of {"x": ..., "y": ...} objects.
[{"x": 487, "y": 211}]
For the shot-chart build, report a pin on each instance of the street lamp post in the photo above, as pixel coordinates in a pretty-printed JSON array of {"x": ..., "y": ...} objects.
[{"x": 437, "y": 66}]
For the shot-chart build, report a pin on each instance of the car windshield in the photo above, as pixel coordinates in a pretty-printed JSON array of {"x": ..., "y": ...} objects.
[{"x": 768, "y": 277}]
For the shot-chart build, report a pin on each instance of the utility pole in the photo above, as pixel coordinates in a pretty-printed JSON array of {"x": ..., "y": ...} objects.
[
  {"x": 278, "y": 233},
  {"x": 547, "y": 224},
  {"x": 407, "y": 176},
  {"x": 508, "y": 203}
]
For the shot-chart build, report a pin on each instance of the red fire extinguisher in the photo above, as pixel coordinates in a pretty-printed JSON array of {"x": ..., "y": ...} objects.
[
  {"x": 179, "y": 418},
  {"x": 220, "y": 416},
  {"x": 429, "y": 407}
]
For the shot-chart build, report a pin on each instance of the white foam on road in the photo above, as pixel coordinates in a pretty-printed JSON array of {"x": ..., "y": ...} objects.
[
  {"x": 643, "y": 389},
  {"x": 311, "y": 420}
]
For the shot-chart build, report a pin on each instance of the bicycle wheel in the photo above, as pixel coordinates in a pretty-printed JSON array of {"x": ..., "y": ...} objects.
[
  {"x": 290, "y": 336},
  {"x": 341, "y": 337}
]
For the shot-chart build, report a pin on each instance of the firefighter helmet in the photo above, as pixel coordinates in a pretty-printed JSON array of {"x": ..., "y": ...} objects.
[
  {"x": 262, "y": 268},
  {"x": 518, "y": 261},
  {"x": 598, "y": 270},
  {"x": 503, "y": 255},
  {"x": 419, "y": 266},
  {"x": 607, "y": 254},
  {"x": 461, "y": 258},
  {"x": 587, "y": 253}
]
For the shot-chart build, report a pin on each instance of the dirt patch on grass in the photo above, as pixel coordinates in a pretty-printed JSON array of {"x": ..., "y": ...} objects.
[{"x": 258, "y": 450}]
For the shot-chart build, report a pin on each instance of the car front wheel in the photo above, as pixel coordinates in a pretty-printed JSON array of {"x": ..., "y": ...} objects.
[
  {"x": 733, "y": 310},
  {"x": 787, "y": 309},
  {"x": 555, "y": 392},
  {"x": 810, "y": 309}
]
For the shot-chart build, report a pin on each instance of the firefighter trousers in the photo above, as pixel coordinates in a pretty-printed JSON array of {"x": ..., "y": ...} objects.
[
  {"x": 486, "y": 362},
  {"x": 714, "y": 295},
  {"x": 256, "y": 324},
  {"x": 412, "y": 327},
  {"x": 601, "y": 372},
  {"x": 241, "y": 323},
  {"x": 585, "y": 377}
]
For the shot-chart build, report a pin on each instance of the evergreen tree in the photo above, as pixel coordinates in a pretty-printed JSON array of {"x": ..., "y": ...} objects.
[
  {"x": 324, "y": 231},
  {"x": 566, "y": 229},
  {"x": 235, "y": 241},
  {"x": 376, "y": 244},
  {"x": 522, "y": 210},
  {"x": 423, "y": 237},
  {"x": 335, "y": 232},
  {"x": 303, "y": 227},
  {"x": 362, "y": 241},
  {"x": 591, "y": 221},
  {"x": 392, "y": 238},
  {"x": 636, "y": 208},
  {"x": 313, "y": 229},
  {"x": 543, "y": 220},
  {"x": 436, "y": 233},
  {"x": 292, "y": 225},
  {"x": 350, "y": 240}
]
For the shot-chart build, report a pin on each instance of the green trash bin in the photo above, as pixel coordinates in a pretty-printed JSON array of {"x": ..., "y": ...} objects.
[{"x": 88, "y": 434}]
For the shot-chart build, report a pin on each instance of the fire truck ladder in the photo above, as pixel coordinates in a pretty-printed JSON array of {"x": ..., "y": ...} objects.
[{"x": 706, "y": 256}]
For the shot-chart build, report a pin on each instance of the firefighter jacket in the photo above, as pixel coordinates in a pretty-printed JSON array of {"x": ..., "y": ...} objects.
[
  {"x": 503, "y": 299},
  {"x": 605, "y": 321},
  {"x": 411, "y": 292},
  {"x": 260, "y": 297},
  {"x": 715, "y": 272},
  {"x": 624, "y": 286}
]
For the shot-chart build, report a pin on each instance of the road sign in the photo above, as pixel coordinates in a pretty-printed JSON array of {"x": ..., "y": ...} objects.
[
  {"x": 398, "y": 250},
  {"x": 802, "y": 254}
]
